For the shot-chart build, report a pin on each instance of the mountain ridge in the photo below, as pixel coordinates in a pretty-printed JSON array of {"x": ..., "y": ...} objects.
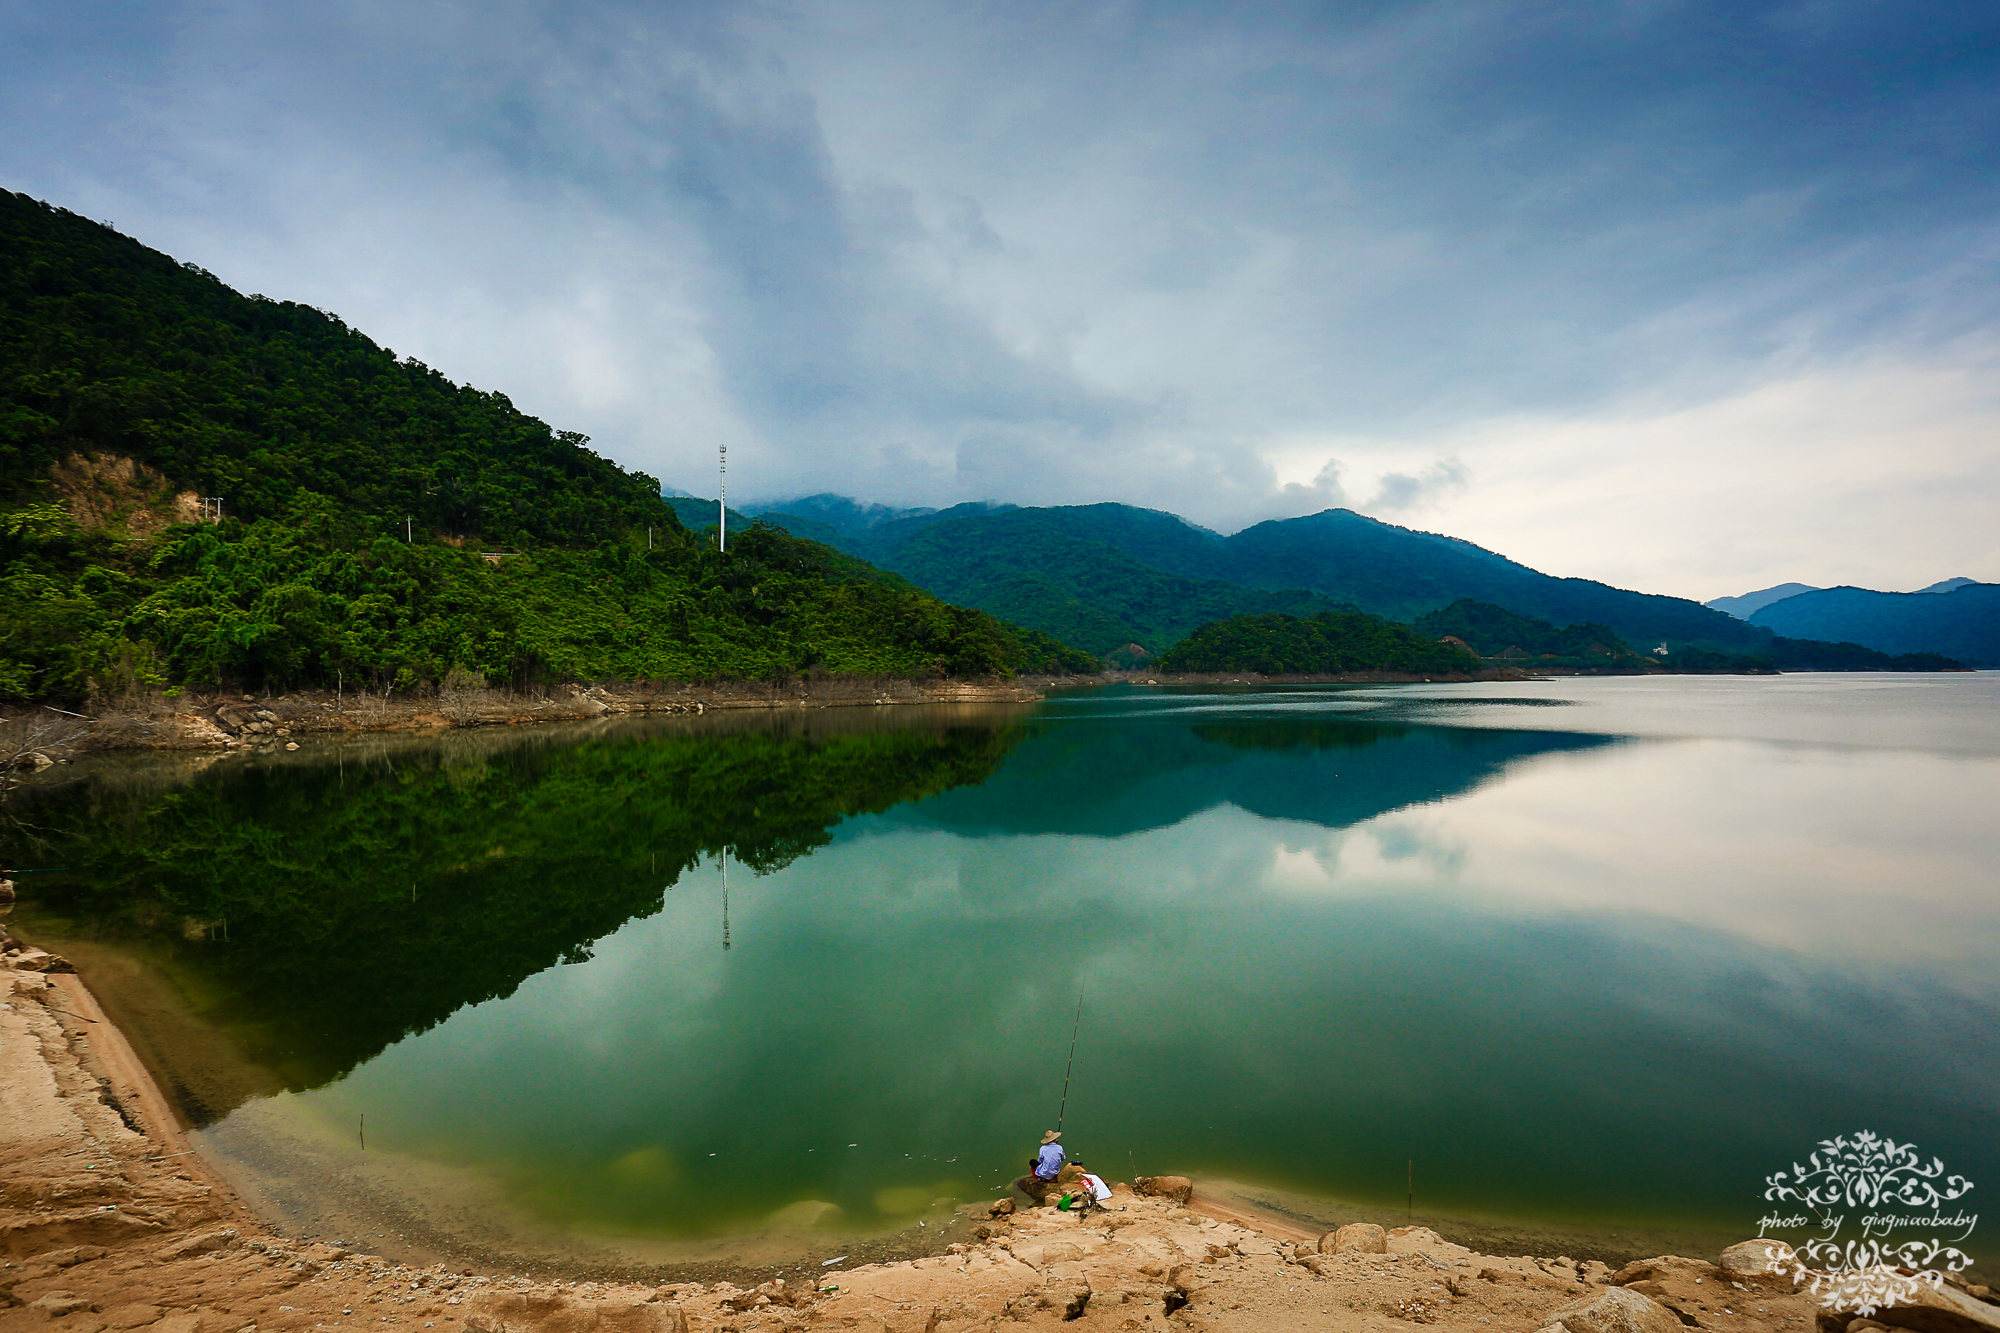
[
  {"x": 200, "y": 488},
  {"x": 1963, "y": 622},
  {"x": 1335, "y": 559}
]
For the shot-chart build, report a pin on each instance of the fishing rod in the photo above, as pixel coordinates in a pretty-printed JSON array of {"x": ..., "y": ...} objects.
[{"x": 1072, "y": 1061}]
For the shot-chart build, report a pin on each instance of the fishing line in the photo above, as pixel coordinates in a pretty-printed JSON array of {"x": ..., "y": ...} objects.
[{"x": 1072, "y": 1061}]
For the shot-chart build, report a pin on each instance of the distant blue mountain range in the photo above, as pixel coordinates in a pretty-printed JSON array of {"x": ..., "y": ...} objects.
[
  {"x": 1113, "y": 578},
  {"x": 1951, "y": 616},
  {"x": 1963, "y": 621}
]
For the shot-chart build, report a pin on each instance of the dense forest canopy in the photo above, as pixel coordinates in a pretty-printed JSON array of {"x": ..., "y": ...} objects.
[
  {"x": 110, "y": 347},
  {"x": 1491, "y": 630},
  {"x": 1330, "y": 642},
  {"x": 377, "y": 524}
]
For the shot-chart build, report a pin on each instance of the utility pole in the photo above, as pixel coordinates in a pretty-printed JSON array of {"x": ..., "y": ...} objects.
[{"x": 722, "y": 501}]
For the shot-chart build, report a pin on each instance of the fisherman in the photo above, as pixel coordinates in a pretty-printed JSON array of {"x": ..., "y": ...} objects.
[{"x": 1043, "y": 1170}]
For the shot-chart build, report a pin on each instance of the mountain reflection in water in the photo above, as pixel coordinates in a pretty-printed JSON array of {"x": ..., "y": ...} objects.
[{"x": 323, "y": 909}]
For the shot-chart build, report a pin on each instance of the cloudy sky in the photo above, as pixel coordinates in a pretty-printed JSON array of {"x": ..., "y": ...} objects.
[{"x": 1690, "y": 297}]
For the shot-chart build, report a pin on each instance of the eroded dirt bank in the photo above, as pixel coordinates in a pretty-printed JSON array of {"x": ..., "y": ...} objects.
[
  {"x": 224, "y": 721},
  {"x": 108, "y": 1222},
  {"x": 216, "y": 721}
]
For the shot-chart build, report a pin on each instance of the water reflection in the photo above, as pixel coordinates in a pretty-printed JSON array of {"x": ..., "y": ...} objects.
[
  {"x": 322, "y": 909},
  {"x": 1568, "y": 974},
  {"x": 1108, "y": 777}
]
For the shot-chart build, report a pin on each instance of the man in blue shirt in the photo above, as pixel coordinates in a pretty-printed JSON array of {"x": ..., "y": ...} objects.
[{"x": 1042, "y": 1172}]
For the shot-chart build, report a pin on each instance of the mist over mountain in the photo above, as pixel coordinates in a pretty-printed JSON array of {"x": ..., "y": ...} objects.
[
  {"x": 849, "y": 517},
  {"x": 1743, "y": 607}
]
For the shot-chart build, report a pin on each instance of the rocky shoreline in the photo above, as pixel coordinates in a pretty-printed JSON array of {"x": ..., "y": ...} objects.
[{"x": 109, "y": 1222}]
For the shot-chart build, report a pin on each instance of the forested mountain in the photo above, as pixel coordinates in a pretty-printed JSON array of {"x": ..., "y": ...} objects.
[
  {"x": 1084, "y": 567},
  {"x": 1325, "y": 644},
  {"x": 1494, "y": 631},
  {"x": 1401, "y": 573},
  {"x": 1963, "y": 623},
  {"x": 203, "y": 488},
  {"x": 1087, "y": 584},
  {"x": 109, "y": 347}
]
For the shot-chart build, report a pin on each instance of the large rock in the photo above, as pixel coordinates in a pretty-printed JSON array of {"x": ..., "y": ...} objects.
[
  {"x": 1178, "y": 1188},
  {"x": 69, "y": 1258},
  {"x": 1941, "y": 1310},
  {"x": 198, "y": 1244},
  {"x": 57, "y": 1304},
  {"x": 1355, "y": 1238},
  {"x": 1755, "y": 1258},
  {"x": 1618, "y": 1310}
]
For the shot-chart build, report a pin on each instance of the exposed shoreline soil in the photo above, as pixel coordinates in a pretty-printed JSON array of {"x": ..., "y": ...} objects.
[{"x": 223, "y": 721}]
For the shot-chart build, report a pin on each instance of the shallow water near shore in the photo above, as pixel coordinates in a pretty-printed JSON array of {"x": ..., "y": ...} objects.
[{"x": 1592, "y": 955}]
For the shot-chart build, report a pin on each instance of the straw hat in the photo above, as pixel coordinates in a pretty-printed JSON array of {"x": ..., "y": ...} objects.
[{"x": 1050, "y": 1137}]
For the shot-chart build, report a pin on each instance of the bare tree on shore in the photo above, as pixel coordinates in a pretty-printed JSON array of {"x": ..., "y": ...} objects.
[{"x": 30, "y": 742}]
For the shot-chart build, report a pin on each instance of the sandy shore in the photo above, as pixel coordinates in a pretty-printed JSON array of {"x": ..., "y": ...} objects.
[{"x": 109, "y": 1221}]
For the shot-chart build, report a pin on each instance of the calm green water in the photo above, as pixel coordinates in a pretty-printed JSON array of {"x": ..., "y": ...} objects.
[{"x": 1583, "y": 950}]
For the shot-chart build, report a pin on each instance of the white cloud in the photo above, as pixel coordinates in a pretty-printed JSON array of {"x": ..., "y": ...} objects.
[{"x": 1881, "y": 474}]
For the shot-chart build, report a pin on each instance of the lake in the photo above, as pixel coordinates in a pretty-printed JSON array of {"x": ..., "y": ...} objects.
[{"x": 1594, "y": 956}]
